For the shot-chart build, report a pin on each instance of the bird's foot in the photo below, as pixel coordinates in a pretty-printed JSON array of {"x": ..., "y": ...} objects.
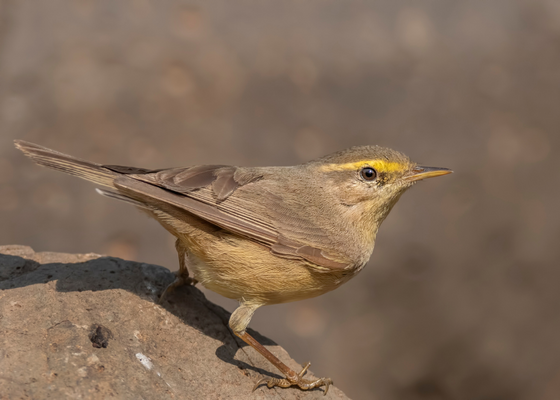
[
  {"x": 296, "y": 380},
  {"x": 180, "y": 280}
]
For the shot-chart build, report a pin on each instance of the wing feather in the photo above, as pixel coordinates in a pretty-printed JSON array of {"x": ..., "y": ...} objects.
[
  {"x": 198, "y": 208},
  {"x": 209, "y": 192}
]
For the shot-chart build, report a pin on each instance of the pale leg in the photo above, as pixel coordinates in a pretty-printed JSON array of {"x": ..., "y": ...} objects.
[{"x": 238, "y": 323}]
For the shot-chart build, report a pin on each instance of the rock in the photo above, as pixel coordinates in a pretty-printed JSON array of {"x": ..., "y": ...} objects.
[{"x": 87, "y": 326}]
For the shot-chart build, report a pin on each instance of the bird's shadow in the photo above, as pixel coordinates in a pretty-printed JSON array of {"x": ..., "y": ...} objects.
[{"x": 146, "y": 281}]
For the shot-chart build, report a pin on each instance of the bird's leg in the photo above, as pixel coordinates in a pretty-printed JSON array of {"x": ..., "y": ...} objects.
[
  {"x": 182, "y": 276},
  {"x": 238, "y": 323}
]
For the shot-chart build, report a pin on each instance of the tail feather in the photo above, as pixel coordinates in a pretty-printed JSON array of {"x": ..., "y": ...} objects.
[
  {"x": 62, "y": 162},
  {"x": 119, "y": 196}
]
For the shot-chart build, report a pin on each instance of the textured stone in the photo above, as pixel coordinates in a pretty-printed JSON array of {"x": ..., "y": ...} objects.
[{"x": 87, "y": 326}]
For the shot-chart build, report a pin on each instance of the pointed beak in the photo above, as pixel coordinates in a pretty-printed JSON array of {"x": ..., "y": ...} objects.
[{"x": 418, "y": 173}]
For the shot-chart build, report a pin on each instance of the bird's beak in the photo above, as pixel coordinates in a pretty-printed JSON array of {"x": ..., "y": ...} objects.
[{"x": 418, "y": 173}]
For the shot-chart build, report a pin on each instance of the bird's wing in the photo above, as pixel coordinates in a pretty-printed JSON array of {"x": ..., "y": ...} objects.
[{"x": 209, "y": 192}]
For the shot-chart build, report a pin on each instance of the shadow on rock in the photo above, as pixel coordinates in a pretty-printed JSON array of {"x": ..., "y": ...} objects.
[{"x": 147, "y": 281}]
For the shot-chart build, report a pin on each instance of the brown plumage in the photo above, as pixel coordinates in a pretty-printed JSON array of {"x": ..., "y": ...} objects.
[{"x": 263, "y": 235}]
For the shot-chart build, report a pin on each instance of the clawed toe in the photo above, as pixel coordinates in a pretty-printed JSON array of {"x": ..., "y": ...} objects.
[
  {"x": 297, "y": 380},
  {"x": 180, "y": 280}
]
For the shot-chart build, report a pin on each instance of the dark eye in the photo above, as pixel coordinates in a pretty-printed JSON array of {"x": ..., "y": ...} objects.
[{"x": 368, "y": 174}]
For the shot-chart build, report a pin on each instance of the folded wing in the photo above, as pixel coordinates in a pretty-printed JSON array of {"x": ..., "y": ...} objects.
[{"x": 209, "y": 192}]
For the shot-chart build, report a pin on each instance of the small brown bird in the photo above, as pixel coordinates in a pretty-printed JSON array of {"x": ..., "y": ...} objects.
[{"x": 263, "y": 235}]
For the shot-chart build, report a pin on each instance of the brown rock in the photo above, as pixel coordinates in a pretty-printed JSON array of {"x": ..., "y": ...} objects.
[{"x": 86, "y": 326}]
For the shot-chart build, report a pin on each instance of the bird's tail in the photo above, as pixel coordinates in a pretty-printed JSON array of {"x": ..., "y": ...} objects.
[{"x": 62, "y": 162}]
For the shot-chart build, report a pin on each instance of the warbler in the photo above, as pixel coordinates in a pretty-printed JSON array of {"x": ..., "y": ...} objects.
[{"x": 262, "y": 235}]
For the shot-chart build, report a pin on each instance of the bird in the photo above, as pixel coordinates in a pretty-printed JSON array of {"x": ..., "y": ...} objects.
[{"x": 262, "y": 235}]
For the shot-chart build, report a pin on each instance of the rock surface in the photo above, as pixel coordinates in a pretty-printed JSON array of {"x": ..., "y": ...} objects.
[{"x": 87, "y": 326}]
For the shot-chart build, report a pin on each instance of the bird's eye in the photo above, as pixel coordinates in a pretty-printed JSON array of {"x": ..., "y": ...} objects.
[{"x": 368, "y": 174}]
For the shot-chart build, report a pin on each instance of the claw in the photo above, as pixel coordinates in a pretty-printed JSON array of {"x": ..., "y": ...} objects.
[
  {"x": 303, "y": 384},
  {"x": 328, "y": 383},
  {"x": 180, "y": 280},
  {"x": 260, "y": 382},
  {"x": 304, "y": 370}
]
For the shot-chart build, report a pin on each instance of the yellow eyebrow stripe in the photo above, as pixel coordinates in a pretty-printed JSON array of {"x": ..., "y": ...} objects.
[{"x": 379, "y": 165}]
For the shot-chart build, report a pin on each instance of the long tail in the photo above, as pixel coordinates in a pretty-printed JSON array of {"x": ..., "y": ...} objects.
[{"x": 62, "y": 162}]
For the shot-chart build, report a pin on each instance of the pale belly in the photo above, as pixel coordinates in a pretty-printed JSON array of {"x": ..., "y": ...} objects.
[
  {"x": 248, "y": 272},
  {"x": 243, "y": 270}
]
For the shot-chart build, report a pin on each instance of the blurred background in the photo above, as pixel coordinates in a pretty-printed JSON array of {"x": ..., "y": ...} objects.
[{"x": 461, "y": 297}]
